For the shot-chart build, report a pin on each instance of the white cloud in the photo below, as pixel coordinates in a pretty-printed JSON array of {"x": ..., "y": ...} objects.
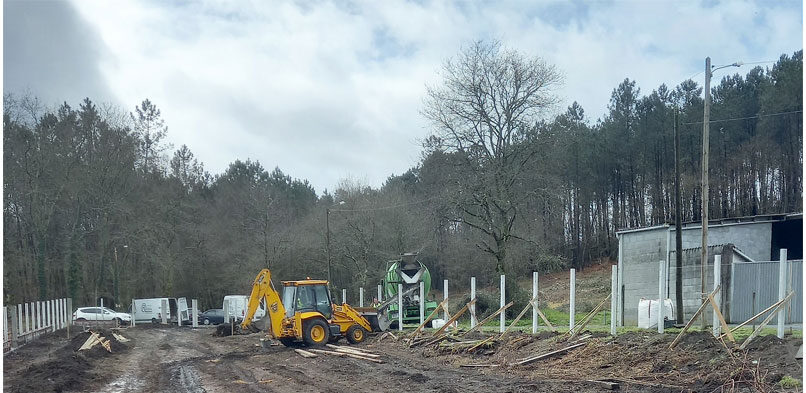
[{"x": 330, "y": 89}]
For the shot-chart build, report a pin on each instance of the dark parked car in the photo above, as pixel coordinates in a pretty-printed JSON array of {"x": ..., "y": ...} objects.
[{"x": 213, "y": 316}]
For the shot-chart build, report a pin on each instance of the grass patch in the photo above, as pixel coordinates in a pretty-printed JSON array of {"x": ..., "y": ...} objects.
[{"x": 788, "y": 382}]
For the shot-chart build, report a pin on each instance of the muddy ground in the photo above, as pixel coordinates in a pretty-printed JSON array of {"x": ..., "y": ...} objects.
[{"x": 173, "y": 359}]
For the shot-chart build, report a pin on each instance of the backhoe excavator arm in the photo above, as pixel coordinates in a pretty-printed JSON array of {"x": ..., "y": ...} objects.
[{"x": 263, "y": 290}]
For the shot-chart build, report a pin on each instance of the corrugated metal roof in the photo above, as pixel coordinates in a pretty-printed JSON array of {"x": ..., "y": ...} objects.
[{"x": 721, "y": 222}]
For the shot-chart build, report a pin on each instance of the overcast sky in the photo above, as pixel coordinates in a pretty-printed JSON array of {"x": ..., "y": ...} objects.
[{"x": 327, "y": 90}]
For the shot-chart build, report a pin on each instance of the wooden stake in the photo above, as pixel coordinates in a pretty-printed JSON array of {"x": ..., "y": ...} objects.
[
  {"x": 473, "y": 348},
  {"x": 754, "y": 317},
  {"x": 334, "y": 353},
  {"x": 488, "y": 319},
  {"x": 455, "y": 317},
  {"x": 693, "y": 318},
  {"x": 430, "y": 316},
  {"x": 587, "y": 319},
  {"x": 545, "y": 320},
  {"x": 766, "y": 320},
  {"x": 304, "y": 353},
  {"x": 545, "y": 355},
  {"x": 721, "y": 319},
  {"x": 518, "y": 318}
]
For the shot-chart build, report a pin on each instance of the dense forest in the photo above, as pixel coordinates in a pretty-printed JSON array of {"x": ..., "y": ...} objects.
[{"x": 96, "y": 203}]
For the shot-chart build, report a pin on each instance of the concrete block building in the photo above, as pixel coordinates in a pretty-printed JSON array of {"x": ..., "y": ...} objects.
[{"x": 749, "y": 249}]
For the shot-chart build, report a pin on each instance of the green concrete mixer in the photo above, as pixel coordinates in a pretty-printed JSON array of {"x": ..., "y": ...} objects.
[{"x": 409, "y": 272}]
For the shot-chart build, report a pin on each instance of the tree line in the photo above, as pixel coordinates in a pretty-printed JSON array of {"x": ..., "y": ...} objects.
[{"x": 97, "y": 204}]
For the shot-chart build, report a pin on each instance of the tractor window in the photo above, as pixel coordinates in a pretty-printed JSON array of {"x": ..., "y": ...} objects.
[
  {"x": 322, "y": 300},
  {"x": 289, "y": 293},
  {"x": 305, "y": 298}
]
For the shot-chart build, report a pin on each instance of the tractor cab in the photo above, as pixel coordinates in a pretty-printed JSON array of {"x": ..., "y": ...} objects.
[{"x": 305, "y": 296}]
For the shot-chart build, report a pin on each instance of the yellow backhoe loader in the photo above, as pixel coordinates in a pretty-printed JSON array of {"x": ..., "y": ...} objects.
[{"x": 305, "y": 313}]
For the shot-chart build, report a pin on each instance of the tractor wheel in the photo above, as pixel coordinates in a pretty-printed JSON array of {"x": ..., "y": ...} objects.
[
  {"x": 288, "y": 341},
  {"x": 356, "y": 334},
  {"x": 315, "y": 332}
]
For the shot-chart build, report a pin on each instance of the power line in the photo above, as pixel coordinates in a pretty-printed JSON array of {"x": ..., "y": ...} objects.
[
  {"x": 384, "y": 207},
  {"x": 746, "y": 118}
]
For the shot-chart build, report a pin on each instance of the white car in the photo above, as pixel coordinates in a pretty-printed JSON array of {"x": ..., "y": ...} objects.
[{"x": 100, "y": 314}]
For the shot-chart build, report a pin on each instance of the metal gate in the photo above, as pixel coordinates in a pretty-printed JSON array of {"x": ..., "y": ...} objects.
[{"x": 755, "y": 287}]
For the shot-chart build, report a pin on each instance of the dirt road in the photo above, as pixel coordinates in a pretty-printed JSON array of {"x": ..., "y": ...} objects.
[{"x": 172, "y": 359}]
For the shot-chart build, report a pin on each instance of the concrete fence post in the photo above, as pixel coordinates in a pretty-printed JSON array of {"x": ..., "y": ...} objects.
[
  {"x": 344, "y": 295},
  {"x": 51, "y": 314},
  {"x": 164, "y": 311},
  {"x": 20, "y": 329},
  {"x": 501, "y": 317},
  {"x": 361, "y": 297},
  {"x": 195, "y": 310},
  {"x": 400, "y": 307},
  {"x": 534, "y": 305},
  {"x": 42, "y": 314},
  {"x": 133, "y": 311},
  {"x": 422, "y": 302},
  {"x": 613, "y": 298},
  {"x": 572, "y": 304},
  {"x": 445, "y": 297},
  {"x": 5, "y": 323},
  {"x": 35, "y": 311},
  {"x": 661, "y": 286},
  {"x": 380, "y": 293},
  {"x": 782, "y": 291},
  {"x": 64, "y": 311},
  {"x": 226, "y": 311},
  {"x": 715, "y": 325},
  {"x": 55, "y": 314},
  {"x": 15, "y": 328},
  {"x": 28, "y": 317},
  {"x": 68, "y": 315},
  {"x": 473, "y": 320},
  {"x": 620, "y": 285}
]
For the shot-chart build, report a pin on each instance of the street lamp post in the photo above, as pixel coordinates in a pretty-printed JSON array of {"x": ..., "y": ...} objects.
[
  {"x": 709, "y": 72},
  {"x": 327, "y": 237}
]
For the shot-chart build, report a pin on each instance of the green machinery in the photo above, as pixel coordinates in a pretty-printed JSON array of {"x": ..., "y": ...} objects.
[{"x": 409, "y": 272}]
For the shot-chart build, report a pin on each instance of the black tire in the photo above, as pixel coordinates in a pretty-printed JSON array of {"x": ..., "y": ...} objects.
[
  {"x": 206, "y": 321},
  {"x": 81, "y": 320},
  {"x": 315, "y": 332},
  {"x": 356, "y": 334},
  {"x": 154, "y": 321},
  {"x": 334, "y": 339},
  {"x": 288, "y": 341}
]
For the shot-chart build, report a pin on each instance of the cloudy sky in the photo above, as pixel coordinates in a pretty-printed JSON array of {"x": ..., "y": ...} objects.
[{"x": 327, "y": 90}]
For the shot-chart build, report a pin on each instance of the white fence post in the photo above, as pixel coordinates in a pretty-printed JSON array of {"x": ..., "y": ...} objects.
[
  {"x": 422, "y": 302},
  {"x": 39, "y": 315},
  {"x": 715, "y": 325},
  {"x": 502, "y": 317},
  {"x": 27, "y": 317},
  {"x": 400, "y": 307},
  {"x": 164, "y": 311},
  {"x": 572, "y": 304},
  {"x": 613, "y": 298},
  {"x": 445, "y": 297},
  {"x": 133, "y": 311},
  {"x": 52, "y": 314},
  {"x": 226, "y": 311},
  {"x": 380, "y": 293},
  {"x": 20, "y": 329},
  {"x": 534, "y": 305},
  {"x": 15, "y": 332},
  {"x": 195, "y": 303},
  {"x": 473, "y": 306},
  {"x": 782, "y": 291},
  {"x": 661, "y": 277},
  {"x": 361, "y": 297},
  {"x": 619, "y": 285},
  {"x": 344, "y": 295}
]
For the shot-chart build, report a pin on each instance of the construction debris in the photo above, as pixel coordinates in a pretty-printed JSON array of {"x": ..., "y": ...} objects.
[
  {"x": 304, "y": 353},
  {"x": 347, "y": 354}
]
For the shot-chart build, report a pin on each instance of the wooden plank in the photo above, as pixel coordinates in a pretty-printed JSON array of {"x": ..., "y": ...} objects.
[
  {"x": 488, "y": 319},
  {"x": 721, "y": 318},
  {"x": 518, "y": 318},
  {"x": 304, "y": 353},
  {"x": 545, "y": 355},
  {"x": 455, "y": 317},
  {"x": 350, "y": 355},
  {"x": 605, "y": 384},
  {"x": 355, "y": 351},
  {"x": 766, "y": 320},
  {"x": 430, "y": 316},
  {"x": 753, "y": 318},
  {"x": 479, "y": 365},
  {"x": 545, "y": 320},
  {"x": 693, "y": 318},
  {"x": 589, "y": 318}
]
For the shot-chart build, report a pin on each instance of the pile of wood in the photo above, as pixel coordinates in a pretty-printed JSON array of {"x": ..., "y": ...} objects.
[
  {"x": 96, "y": 338},
  {"x": 342, "y": 351}
]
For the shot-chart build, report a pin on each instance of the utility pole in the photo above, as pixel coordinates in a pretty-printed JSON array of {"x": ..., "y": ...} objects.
[
  {"x": 704, "y": 214},
  {"x": 327, "y": 236},
  {"x": 678, "y": 241}
]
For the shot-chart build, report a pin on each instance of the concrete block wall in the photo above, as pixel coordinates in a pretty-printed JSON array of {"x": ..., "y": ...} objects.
[{"x": 640, "y": 255}]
